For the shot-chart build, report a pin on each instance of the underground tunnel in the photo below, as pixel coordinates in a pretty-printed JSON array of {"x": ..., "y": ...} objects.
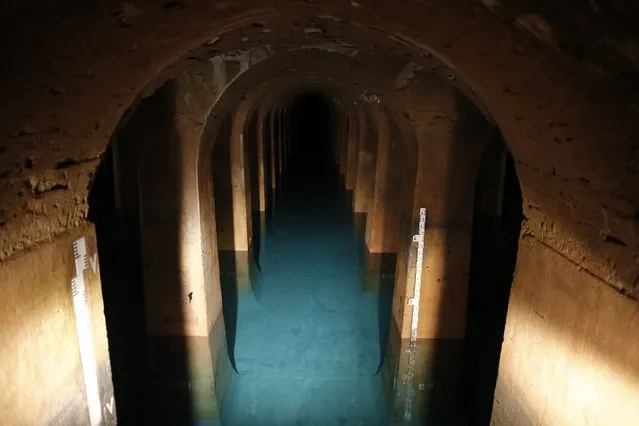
[{"x": 319, "y": 213}]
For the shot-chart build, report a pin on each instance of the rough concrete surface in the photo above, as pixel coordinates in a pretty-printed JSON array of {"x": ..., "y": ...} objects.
[{"x": 557, "y": 79}]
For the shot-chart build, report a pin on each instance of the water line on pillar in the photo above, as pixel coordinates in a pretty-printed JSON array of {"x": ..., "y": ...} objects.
[{"x": 414, "y": 302}]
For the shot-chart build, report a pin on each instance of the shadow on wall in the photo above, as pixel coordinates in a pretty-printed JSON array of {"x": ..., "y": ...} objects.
[
  {"x": 133, "y": 202},
  {"x": 228, "y": 260},
  {"x": 268, "y": 179},
  {"x": 258, "y": 218},
  {"x": 385, "y": 273},
  {"x": 461, "y": 355},
  {"x": 444, "y": 350},
  {"x": 384, "y": 314},
  {"x": 118, "y": 251},
  {"x": 496, "y": 226}
]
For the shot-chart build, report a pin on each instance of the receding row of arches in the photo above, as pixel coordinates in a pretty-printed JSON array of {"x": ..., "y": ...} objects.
[
  {"x": 172, "y": 89},
  {"x": 195, "y": 187}
]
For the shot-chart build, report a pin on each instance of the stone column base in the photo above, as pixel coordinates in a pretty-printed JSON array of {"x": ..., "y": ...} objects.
[
  {"x": 236, "y": 270},
  {"x": 187, "y": 378},
  {"x": 359, "y": 227},
  {"x": 378, "y": 268},
  {"x": 272, "y": 208},
  {"x": 259, "y": 231},
  {"x": 348, "y": 198},
  {"x": 436, "y": 385}
]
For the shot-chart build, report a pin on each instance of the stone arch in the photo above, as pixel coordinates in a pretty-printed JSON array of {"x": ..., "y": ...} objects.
[
  {"x": 502, "y": 39},
  {"x": 570, "y": 122}
]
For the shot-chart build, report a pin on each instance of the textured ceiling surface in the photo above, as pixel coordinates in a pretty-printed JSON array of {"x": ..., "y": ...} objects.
[{"x": 558, "y": 78}]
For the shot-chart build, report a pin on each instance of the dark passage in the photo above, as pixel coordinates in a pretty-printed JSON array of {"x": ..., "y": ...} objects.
[
  {"x": 497, "y": 222},
  {"x": 148, "y": 371},
  {"x": 307, "y": 341},
  {"x": 118, "y": 248}
]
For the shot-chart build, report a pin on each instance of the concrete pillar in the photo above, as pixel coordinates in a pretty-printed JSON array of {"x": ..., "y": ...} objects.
[
  {"x": 119, "y": 247},
  {"x": 350, "y": 172},
  {"x": 233, "y": 203},
  {"x": 187, "y": 365},
  {"x": 269, "y": 185},
  {"x": 281, "y": 135},
  {"x": 273, "y": 148},
  {"x": 126, "y": 188},
  {"x": 491, "y": 175},
  {"x": 289, "y": 137},
  {"x": 491, "y": 278},
  {"x": 262, "y": 167},
  {"x": 344, "y": 126},
  {"x": 451, "y": 138},
  {"x": 383, "y": 219},
  {"x": 285, "y": 140},
  {"x": 334, "y": 123},
  {"x": 365, "y": 178},
  {"x": 274, "y": 144}
]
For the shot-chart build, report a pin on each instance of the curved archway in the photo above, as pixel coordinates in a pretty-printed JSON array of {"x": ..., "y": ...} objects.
[
  {"x": 514, "y": 62},
  {"x": 389, "y": 182}
]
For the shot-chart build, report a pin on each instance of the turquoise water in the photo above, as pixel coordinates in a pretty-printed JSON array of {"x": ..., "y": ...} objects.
[{"x": 308, "y": 340}]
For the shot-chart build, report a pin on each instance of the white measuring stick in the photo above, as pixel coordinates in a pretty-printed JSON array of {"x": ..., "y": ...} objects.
[
  {"x": 414, "y": 302},
  {"x": 85, "y": 332}
]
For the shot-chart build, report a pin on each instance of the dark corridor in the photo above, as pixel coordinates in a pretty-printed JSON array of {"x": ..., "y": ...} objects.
[{"x": 307, "y": 342}]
